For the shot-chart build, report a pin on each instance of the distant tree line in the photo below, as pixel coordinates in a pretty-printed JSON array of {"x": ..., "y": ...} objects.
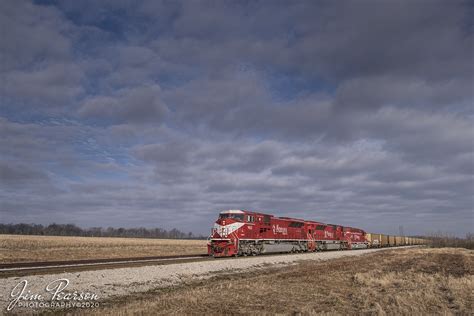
[
  {"x": 73, "y": 230},
  {"x": 439, "y": 240}
]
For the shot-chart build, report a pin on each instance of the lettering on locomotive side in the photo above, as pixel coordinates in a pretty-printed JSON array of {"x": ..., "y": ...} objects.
[
  {"x": 328, "y": 234},
  {"x": 281, "y": 230}
]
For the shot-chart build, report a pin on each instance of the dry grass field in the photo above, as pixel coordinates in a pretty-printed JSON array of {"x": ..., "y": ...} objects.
[
  {"x": 20, "y": 248},
  {"x": 394, "y": 282}
]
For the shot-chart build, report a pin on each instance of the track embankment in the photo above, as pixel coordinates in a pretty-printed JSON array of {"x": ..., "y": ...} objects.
[{"x": 51, "y": 267}]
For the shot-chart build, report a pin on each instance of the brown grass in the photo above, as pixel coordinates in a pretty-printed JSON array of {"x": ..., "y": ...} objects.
[
  {"x": 395, "y": 282},
  {"x": 19, "y": 248}
]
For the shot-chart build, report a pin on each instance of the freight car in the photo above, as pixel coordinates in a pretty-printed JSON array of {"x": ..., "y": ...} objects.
[
  {"x": 242, "y": 233},
  {"x": 392, "y": 241},
  {"x": 399, "y": 241},
  {"x": 375, "y": 240}
]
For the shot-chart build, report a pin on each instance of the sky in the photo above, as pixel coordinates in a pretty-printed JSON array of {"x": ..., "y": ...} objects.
[{"x": 164, "y": 113}]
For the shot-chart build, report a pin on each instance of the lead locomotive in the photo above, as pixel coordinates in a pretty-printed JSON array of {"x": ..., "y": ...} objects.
[{"x": 239, "y": 232}]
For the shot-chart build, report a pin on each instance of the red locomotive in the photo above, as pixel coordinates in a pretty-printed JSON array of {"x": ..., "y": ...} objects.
[{"x": 239, "y": 232}]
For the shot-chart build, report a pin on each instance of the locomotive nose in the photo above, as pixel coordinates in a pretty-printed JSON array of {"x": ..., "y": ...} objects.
[{"x": 224, "y": 221}]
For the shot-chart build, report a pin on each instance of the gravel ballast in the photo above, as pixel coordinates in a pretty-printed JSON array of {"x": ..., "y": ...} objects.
[{"x": 110, "y": 283}]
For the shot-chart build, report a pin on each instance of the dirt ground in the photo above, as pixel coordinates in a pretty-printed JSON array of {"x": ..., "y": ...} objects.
[
  {"x": 19, "y": 248},
  {"x": 394, "y": 282}
]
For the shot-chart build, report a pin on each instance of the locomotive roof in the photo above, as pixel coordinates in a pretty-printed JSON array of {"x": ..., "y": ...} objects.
[
  {"x": 315, "y": 222},
  {"x": 292, "y": 219},
  {"x": 232, "y": 212},
  {"x": 244, "y": 212}
]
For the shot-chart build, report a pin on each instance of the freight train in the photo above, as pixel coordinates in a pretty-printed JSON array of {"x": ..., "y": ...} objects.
[{"x": 243, "y": 233}]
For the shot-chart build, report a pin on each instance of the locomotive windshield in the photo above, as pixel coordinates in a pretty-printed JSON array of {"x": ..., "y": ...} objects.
[{"x": 240, "y": 217}]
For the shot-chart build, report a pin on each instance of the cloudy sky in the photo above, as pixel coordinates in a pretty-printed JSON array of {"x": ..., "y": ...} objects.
[{"x": 161, "y": 114}]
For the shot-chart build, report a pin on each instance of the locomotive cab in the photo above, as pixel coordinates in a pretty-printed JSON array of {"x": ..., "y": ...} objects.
[
  {"x": 227, "y": 214},
  {"x": 223, "y": 240}
]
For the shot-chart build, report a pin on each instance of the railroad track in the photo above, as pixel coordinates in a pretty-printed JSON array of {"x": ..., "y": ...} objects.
[{"x": 23, "y": 268}]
